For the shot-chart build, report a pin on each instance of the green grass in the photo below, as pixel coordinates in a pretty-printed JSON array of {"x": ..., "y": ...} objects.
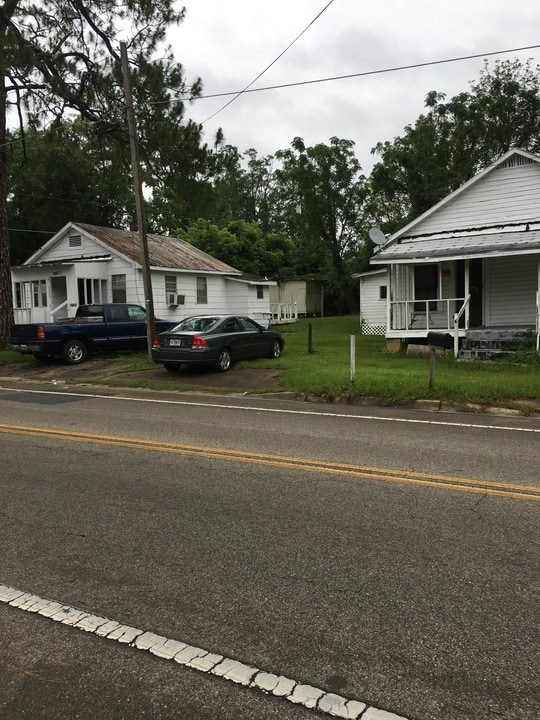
[
  {"x": 386, "y": 377},
  {"x": 395, "y": 377},
  {"x": 8, "y": 356}
]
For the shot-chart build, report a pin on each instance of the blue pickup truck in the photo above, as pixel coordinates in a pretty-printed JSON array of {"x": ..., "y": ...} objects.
[{"x": 113, "y": 326}]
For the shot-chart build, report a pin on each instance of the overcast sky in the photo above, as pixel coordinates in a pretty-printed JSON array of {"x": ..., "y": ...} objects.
[{"x": 228, "y": 43}]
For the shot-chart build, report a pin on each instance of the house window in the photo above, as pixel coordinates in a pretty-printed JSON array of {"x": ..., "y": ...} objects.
[
  {"x": 39, "y": 293},
  {"x": 22, "y": 294},
  {"x": 119, "y": 294},
  {"x": 170, "y": 289},
  {"x": 426, "y": 286},
  {"x": 30, "y": 293},
  {"x": 383, "y": 293},
  {"x": 99, "y": 292},
  {"x": 202, "y": 291},
  {"x": 85, "y": 291},
  {"x": 170, "y": 285},
  {"x": 260, "y": 292}
]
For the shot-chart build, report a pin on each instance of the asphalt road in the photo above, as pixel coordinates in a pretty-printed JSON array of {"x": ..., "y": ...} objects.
[{"x": 391, "y": 557}]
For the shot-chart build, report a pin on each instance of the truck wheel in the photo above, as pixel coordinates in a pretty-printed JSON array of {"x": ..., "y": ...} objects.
[{"x": 74, "y": 352}]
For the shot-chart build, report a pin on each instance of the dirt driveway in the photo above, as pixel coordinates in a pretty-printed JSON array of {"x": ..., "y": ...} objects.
[{"x": 115, "y": 372}]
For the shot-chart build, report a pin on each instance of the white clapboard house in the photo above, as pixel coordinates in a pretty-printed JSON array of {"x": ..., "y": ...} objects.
[
  {"x": 89, "y": 264},
  {"x": 471, "y": 263}
]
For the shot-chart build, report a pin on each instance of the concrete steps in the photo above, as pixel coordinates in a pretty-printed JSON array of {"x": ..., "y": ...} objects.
[{"x": 494, "y": 344}]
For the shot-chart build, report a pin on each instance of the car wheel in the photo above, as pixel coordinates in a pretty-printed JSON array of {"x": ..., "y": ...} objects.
[
  {"x": 223, "y": 360},
  {"x": 275, "y": 350},
  {"x": 171, "y": 367},
  {"x": 74, "y": 352}
]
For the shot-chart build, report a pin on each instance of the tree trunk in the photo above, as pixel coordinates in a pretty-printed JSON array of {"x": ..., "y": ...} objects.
[{"x": 6, "y": 304}]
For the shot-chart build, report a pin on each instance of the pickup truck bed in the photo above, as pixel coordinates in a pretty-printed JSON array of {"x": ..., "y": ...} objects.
[{"x": 113, "y": 326}]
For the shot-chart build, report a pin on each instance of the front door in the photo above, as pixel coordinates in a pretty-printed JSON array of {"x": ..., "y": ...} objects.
[{"x": 476, "y": 289}]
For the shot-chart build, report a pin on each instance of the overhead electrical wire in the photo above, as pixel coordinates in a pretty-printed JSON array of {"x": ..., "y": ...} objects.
[
  {"x": 274, "y": 61},
  {"x": 366, "y": 73}
]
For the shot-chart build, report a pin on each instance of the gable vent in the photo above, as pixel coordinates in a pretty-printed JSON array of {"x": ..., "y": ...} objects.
[
  {"x": 75, "y": 241},
  {"x": 516, "y": 161}
]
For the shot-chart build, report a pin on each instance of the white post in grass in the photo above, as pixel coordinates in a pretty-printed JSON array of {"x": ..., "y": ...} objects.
[{"x": 353, "y": 357}]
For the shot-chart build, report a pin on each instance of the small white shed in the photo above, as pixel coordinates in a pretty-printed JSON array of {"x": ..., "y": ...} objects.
[{"x": 373, "y": 293}]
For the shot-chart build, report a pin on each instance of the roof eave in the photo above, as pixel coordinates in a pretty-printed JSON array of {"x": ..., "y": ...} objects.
[{"x": 472, "y": 181}]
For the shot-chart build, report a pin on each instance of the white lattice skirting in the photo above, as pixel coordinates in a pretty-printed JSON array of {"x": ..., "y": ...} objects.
[{"x": 372, "y": 329}]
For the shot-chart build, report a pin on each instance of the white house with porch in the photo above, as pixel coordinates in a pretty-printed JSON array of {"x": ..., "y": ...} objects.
[
  {"x": 472, "y": 260},
  {"x": 89, "y": 264}
]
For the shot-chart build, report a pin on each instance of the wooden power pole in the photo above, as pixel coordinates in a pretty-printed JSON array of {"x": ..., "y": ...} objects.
[{"x": 139, "y": 201}]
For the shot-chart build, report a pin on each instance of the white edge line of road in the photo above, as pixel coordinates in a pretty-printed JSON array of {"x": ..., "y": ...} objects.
[
  {"x": 278, "y": 410},
  {"x": 196, "y": 658}
]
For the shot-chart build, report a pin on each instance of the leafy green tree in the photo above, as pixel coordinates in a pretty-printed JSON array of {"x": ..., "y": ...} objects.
[
  {"x": 66, "y": 172},
  {"x": 321, "y": 192},
  {"x": 245, "y": 246},
  {"x": 243, "y": 185},
  {"x": 454, "y": 140},
  {"x": 62, "y": 56}
]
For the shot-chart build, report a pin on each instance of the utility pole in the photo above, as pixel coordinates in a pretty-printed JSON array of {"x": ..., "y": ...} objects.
[{"x": 139, "y": 201}]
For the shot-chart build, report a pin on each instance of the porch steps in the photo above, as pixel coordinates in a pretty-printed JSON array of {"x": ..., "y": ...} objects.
[{"x": 494, "y": 344}]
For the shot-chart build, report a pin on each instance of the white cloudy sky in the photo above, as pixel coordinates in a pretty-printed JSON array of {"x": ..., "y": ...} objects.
[{"x": 229, "y": 42}]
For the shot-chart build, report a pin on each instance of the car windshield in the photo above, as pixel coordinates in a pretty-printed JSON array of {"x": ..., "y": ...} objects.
[{"x": 194, "y": 324}]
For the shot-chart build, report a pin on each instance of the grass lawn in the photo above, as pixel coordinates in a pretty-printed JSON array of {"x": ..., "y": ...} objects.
[
  {"x": 394, "y": 377},
  {"x": 388, "y": 377}
]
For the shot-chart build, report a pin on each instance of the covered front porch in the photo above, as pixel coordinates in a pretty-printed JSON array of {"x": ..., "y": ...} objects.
[
  {"x": 49, "y": 291},
  {"x": 457, "y": 295}
]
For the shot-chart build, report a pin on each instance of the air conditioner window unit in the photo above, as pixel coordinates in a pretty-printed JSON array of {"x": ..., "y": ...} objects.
[{"x": 171, "y": 299}]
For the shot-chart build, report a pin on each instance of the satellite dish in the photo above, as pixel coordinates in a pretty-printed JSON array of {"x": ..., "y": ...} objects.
[{"x": 377, "y": 236}]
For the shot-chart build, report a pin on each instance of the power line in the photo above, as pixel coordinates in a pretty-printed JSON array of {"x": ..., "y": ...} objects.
[
  {"x": 274, "y": 61},
  {"x": 397, "y": 68}
]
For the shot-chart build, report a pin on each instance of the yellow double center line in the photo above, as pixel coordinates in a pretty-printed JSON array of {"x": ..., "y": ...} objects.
[{"x": 483, "y": 487}]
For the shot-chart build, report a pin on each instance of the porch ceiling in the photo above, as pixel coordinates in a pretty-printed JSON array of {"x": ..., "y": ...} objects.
[{"x": 462, "y": 247}]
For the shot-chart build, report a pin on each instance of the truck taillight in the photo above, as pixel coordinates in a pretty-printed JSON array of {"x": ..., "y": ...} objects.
[
  {"x": 155, "y": 341},
  {"x": 40, "y": 332},
  {"x": 198, "y": 342}
]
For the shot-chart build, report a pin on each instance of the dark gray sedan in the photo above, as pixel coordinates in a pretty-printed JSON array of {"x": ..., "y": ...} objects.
[{"x": 217, "y": 340}]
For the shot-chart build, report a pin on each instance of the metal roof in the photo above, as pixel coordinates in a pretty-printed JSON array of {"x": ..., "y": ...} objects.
[
  {"x": 163, "y": 251},
  {"x": 457, "y": 247}
]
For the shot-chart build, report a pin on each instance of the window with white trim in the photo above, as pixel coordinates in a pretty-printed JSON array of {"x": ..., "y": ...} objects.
[
  {"x": 202, "y": 291},
  {"x": 170, "y": 285},
  {"x": 119, "y": 292}
]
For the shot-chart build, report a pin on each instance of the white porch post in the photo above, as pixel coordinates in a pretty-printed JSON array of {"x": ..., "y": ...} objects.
[
  {"x": 467, "y": 291},
  {"x": 389, "y": 296}
]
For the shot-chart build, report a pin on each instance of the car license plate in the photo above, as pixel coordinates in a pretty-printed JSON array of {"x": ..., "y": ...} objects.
[{"x": 175, "y": 342}]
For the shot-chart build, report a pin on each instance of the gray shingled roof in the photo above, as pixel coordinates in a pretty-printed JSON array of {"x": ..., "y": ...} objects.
[
  {"x": 163, "y": 251},
  {"x": 479, "y": 245}
]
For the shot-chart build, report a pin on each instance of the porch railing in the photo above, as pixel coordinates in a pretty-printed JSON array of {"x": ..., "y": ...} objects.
[
  {"x": 56, "y": 310},
  {"x": 426, "y": 315},
  {"x": 283, "y": 312},
  {"x": 457, "y": 317}
]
